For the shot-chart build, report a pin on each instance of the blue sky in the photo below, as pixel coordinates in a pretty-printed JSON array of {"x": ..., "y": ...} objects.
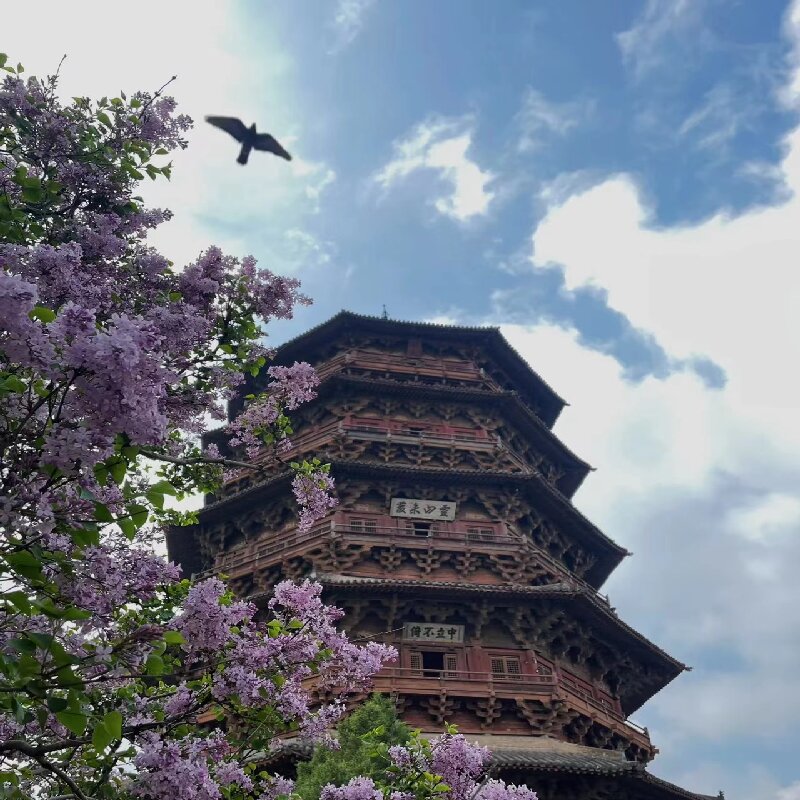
[{"x": 616, "y": 186}]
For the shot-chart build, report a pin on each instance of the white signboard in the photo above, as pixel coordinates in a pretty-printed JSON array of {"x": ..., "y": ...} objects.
[
  {"x": 422, "y": 509},
  {"x": 433, "y": 632}
]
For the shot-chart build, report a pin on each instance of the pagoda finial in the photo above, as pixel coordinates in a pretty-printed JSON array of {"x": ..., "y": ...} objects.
[{"x": 385, "y": 314}]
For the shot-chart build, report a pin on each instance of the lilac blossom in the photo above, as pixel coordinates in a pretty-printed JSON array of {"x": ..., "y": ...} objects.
[
  {"x": 112, "y": 361},
  {"x": 313, "y": 493},
  {"x": 355, "y": 789}
]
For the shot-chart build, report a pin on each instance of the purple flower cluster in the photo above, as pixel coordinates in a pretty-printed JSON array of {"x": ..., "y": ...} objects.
[
  {"x": 355, "y": 789},
  {"x": 448, "y": 767},
  {"x": 206, "y": 622},
  {"x": 191, "y": 768},
  {"x": 256, "y": 425},
  {"x": 314, "y": 494},
  {"x": 293, "y": 386}
]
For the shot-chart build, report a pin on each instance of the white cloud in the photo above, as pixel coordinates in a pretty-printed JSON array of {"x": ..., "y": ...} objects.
[
  {"x": 306, "y": 249},
  {"x": 663, "y": 25},
  {"x": 442, "y": 146},
  {"x": 348, "y": 20},
  {"x": 220, "y": 71},
  {"x": 791, "y": 792},
  {"x": 719, "y": 118},
  {"x": 539, "y": 118}
]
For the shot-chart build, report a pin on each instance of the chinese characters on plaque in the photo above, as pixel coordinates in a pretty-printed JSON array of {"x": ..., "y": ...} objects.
[
  {"x": 433, "y": 632},
  {"x": 422, "y": 509}
]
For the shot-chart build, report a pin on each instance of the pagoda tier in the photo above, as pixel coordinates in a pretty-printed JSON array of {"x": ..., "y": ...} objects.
[
  {"x": 422, "y": 354},
  {"x": 382, "y": 420},
  {"x": 456, "y": 541}
]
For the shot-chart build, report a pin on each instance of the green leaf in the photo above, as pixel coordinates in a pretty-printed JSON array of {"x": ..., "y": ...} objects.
[
  {"x": 13, "y": 384},
  {"x": 164, "y": 487},
  {"x": 25, "y": 563},
  {"x": 104, "y": 118},
  {"x": 138, "y": 514},
  {"x": 154, "y": 665},
  {"x": 20, "y": 601},
  {"x": 118, "y": 470},
  {"x": 113, "y": 722},
  {"x": 74, "y": 614},
  {"x": 156, "y": 498},
  {"x": 74, "y": 721},
  {"x": 101, "y": 737},
  {"x": 42, "y": 313},
  {"x": 127, "y": 527},
  {"x": 44, "y": 641},
  {"x": 23, "y": 645},
  {"x": 33, "y": 194},
  {"x": 84, "y": 537},
  {"x": 9, "y": 777},
  {"x": 173, "y": 637},
  {"x": 102, "y": 513},
  {"x": 57, "y": 703}
]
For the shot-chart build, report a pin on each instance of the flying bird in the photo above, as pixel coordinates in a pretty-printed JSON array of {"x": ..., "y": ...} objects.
[{"x": 248, "y": 137}]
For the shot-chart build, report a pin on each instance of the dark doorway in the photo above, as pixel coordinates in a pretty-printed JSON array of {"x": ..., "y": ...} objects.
[{"x": 432, "y": 663}]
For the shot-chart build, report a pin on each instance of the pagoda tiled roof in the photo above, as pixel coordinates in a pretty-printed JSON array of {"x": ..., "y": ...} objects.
[
  {"x": 601, "y": 763},
  {"x": 541, "y": 755},
  {"x": 502, "y": 352}
]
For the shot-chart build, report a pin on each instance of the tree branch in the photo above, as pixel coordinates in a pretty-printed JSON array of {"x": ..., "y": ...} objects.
[
  {"x": 36, "y": 754},
  {"x": 188, "y": 462}
]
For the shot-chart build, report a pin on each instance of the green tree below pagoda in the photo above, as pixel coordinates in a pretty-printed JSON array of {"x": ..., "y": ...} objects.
[{"x": 360, "y": 737}]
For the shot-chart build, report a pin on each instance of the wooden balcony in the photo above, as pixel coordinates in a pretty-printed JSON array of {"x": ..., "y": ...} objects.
[
  {"x": 403, "y": 367},
  {"x": 247, "y": 556},
  {"x": 382, "y": 431},
  {"x": 365, "y": 528},
  {"x": 556, "y": 686}
]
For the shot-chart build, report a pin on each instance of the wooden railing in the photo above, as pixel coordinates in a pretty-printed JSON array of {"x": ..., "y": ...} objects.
[
  {"x": 403, "y": 679},
  {"x": 314, "y": 439},
  {"x": 422, "y": 366},
  {"x": 249, "y": 554}
]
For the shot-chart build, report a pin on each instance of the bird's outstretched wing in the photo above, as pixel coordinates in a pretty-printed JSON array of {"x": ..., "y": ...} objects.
[
  {"x": 269, "y": 143},
  {"x": 232, "y": 125}
]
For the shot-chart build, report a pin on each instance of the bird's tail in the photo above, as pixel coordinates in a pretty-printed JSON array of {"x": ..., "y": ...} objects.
[{"x": 244, "y": 153}]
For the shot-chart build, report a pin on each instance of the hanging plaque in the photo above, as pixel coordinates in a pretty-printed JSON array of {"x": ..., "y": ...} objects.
[
  {"x": 433, "y": 632},
  {"x": 422, "y": 509}
]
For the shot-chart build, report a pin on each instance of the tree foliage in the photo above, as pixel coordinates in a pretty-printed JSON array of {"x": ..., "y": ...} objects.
[
  {"x": 110, "y": 360},
  {"x": 118, "y": 679},
  {"x": 371, "y": 724}
]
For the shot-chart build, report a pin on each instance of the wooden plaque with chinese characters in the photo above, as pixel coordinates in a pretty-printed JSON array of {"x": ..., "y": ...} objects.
[
  {"x": 443, "y": 633},
  {"x": 422, "y": 509}
]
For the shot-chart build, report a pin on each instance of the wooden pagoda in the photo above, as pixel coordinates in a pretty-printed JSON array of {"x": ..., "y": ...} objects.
[{"x": 455, "y": 540}]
